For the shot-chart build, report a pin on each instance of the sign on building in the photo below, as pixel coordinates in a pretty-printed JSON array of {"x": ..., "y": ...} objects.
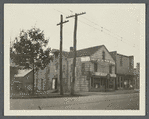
[{"x": 87, "y": 58}]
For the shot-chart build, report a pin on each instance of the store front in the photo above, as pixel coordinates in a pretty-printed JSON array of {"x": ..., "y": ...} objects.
[
  {"x": 124, "y": 82},
  {"x": 102, "y": 83}
]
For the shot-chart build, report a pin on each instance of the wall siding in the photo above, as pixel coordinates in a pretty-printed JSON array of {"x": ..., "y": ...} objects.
[
  {"x": 102, "y": 65},
  {"x": 125, "y": 68}
]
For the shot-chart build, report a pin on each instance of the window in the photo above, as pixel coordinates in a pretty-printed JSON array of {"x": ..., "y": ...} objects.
[
  {"x": 103, "y": 55},
  {"x": 110, "y": 69},
  {"x": 95, "y": 67},
  {"x": 121, "y": 63},
  {"x": 102, "y": 82},
  {"x": 83, "y": 68},
  {"x": 118, "y": 81},
  {"x": 131, "y": 63}
]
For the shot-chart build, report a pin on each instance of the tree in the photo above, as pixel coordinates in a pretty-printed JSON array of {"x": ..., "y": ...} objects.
[{"x": 28, "y": 50}]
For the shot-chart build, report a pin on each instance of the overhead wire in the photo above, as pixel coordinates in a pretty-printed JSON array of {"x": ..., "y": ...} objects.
[
  {"x": 120, "y": 37},
  {"x": 101, "y": 30}
]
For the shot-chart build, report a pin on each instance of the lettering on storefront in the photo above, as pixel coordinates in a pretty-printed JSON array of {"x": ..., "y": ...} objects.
[
  {"x": 100, "y": 60},
  {"x": 100, "y": 74},
  {"x": 104, "y": 74}
]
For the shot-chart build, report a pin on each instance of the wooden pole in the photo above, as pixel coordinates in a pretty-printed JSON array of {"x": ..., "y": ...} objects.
[
  {"x": 74, "y": 51},
  {"x": 61, "y": 78},
  {"x": 60, "y": 59},
  {"x": 74, "y": 56}
]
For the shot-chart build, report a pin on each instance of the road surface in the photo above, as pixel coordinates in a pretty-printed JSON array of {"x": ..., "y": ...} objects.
[{"x": 94, "y": 102}]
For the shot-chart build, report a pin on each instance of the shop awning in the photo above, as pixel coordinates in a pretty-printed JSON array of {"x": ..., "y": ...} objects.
[{"x": 100, "y": 74}]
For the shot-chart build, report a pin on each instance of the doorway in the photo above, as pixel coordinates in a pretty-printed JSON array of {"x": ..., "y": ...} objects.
[{"x": 54, "y": 83}]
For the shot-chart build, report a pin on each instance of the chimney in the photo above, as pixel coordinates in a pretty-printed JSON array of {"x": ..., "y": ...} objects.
[{"x": 71, "y": 49}]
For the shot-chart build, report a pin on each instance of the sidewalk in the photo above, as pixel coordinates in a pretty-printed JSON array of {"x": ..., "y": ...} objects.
[
  {"x": 109, "y": 93},
  {"x": 50, "y": 94}
]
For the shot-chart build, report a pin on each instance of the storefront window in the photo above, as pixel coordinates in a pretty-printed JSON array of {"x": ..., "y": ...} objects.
[
  {"x": 92, "y": 83},
  {"x": 118, "y": 81},
  {"x": 96, "y": 85},
  {"x": 111, "y": 83}
]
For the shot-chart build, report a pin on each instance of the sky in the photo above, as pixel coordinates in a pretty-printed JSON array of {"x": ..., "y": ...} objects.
[{"x": 117, "y": 26}]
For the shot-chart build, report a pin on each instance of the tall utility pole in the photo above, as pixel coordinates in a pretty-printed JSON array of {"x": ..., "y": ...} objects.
[
  {"x": 60, "y": 60},
  {"x": 74, "y": 50}
]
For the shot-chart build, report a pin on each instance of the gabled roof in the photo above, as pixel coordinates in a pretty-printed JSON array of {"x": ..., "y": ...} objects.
[
  {"x": 22, "y": 73},
  {"x": 85, "y": 52}
]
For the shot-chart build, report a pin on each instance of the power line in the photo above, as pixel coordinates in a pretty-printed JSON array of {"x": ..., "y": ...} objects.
[{"x": 102, "y": 29}]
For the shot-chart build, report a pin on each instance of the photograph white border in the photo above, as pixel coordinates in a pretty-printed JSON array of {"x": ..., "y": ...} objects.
[{"x": 140, "y": 112}]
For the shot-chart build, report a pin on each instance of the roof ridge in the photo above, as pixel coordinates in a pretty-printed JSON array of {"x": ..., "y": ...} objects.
[
  {"x": 85, "y": 52},
  {"x": 91, "y": 47}
]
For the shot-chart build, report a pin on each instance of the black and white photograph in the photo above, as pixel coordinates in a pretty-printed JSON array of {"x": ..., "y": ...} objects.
[{"x": 74, "y": 59}]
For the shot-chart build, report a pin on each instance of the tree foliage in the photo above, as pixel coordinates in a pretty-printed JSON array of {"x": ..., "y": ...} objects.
[{"x": 28, "y": 49}]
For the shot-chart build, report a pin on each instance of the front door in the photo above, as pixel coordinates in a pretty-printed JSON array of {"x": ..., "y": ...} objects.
[
  {"x": 54, "y": 83},
  {"x": 110, "y": 84},
  {"x": 98, "y": 84}
]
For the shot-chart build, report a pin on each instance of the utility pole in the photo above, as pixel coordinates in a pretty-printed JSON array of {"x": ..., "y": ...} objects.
[
  {"x": 60, "y": 60},
  {"x": 74, "y": 50}
]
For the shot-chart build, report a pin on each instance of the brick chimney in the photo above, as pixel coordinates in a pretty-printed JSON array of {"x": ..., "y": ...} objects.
[{"x": 71, "y": 49}]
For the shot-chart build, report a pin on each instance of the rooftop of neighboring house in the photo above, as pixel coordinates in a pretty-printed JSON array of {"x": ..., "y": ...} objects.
[
  {"x": 119, "y": 54},
  {"x": 22, "y": 73},
  {"x": 65, "y": 53}
]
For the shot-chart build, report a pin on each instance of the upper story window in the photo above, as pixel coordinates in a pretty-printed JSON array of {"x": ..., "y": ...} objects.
[
  {"x": 131, "y": 63},
  {"x": 103, "y": 55},
  {"x": 121, "y": 63},
  {"x": 110, "y": 69},
  {"x": 63, "y": 68},
  {"x": 95, "y": 67}
]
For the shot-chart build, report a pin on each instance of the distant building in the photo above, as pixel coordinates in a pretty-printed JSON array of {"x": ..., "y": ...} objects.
[
  {"x": 137, "y": 76},
  {"x": 124, "y": 69},
  {"x": 23, "y": 81},
  {"x": 48, "y": 78}
]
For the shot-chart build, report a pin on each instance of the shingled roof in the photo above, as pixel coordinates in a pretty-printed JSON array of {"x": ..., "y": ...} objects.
[
  {"x": 65, "y": 53},
  {"x": 85, "y": 52}
]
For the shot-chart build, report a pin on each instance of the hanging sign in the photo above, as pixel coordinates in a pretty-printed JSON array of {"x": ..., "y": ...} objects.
[
  {"x": 87, "y": 58},
  {"x": 113, "y": 75},
  {"x": 100, "y": 74},
  {"x": 100, "y": 60}
]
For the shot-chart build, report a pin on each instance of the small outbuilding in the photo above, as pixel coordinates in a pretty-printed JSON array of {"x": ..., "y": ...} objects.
[{"x": 23, "y": 81}]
